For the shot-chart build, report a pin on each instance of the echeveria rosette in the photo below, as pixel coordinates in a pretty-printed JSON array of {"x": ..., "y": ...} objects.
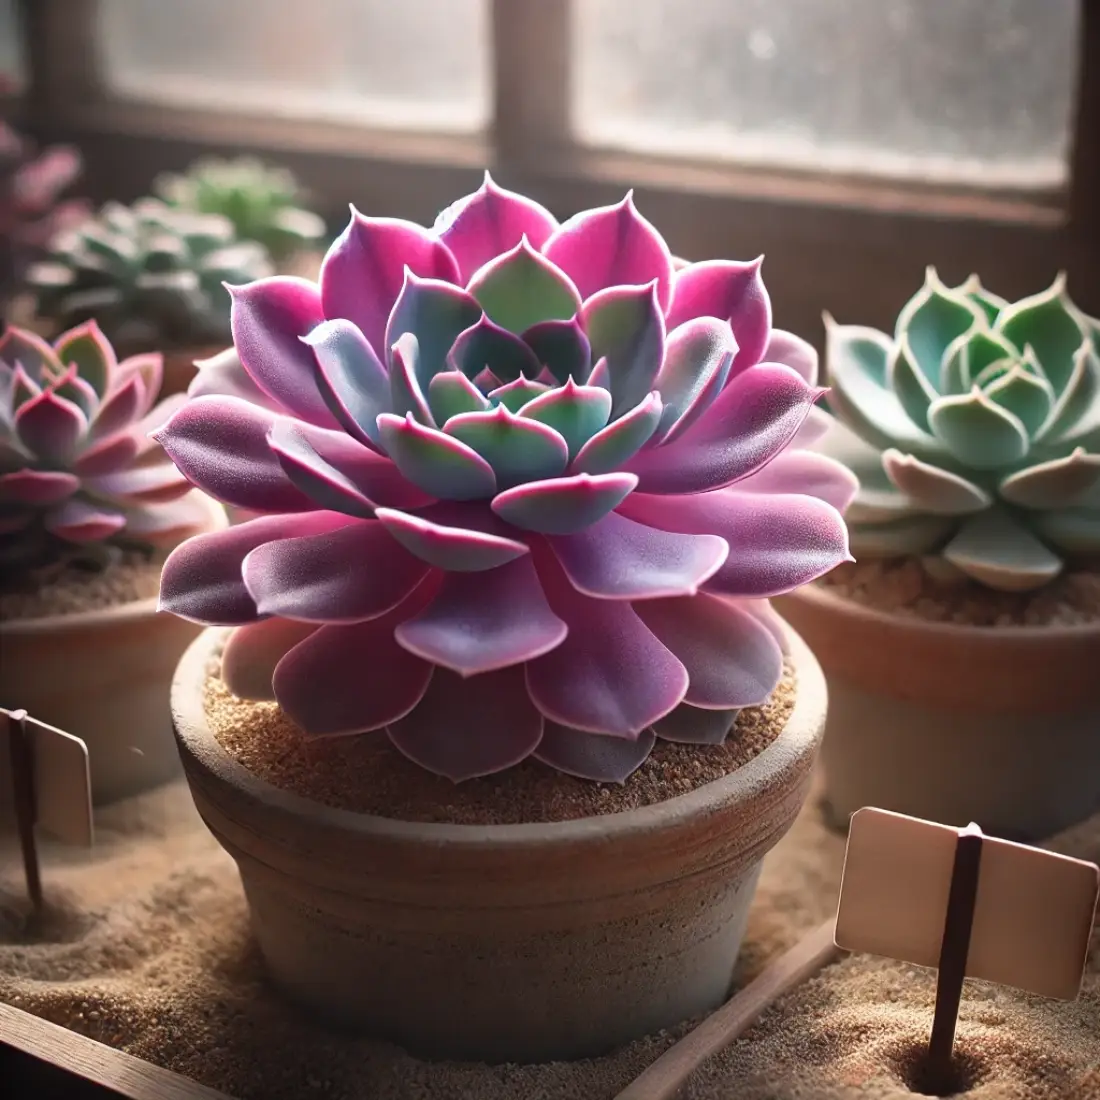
[
  {"x": 78, "y": 470},
  {"x": 525, "y": 490},
  {"x": 974, "y": 432},
  {"x": 262, "y": 201},
  {"x": 150, "y": 275}
]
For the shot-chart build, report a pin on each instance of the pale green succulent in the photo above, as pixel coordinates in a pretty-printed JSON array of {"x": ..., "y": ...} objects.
[
  {"x": 151, "y": 276},
  {"x": 262, "y": 202},
  {"x": 974, "y": 432}
]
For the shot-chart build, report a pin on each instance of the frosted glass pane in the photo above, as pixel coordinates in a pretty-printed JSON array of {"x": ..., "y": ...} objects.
[
  {"x": 11, "y": 57},
  {"x": 400, "y": 63},
  {"x": 974, "y": 91}
]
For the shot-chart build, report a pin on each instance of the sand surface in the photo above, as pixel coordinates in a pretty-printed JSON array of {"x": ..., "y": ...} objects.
[{"x": 146, "y": 946}]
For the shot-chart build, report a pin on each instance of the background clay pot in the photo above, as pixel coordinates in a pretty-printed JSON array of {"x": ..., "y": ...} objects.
[
  {"x": 998, "y": 725},
  {"x": 502, "y": 942},
  {"x": 103, "y": 676},
  {"x": 179, "y": 366}
]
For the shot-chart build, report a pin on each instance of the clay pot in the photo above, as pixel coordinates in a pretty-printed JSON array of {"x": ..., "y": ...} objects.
[
  {"x": 103, "y": 676},
  {"x": 997, "y": 725},
  {"x": 179, "y": 366},
  {"x": 501, "y": 942}
]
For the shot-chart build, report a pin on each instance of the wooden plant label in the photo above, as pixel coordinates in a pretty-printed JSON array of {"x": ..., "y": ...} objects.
[
  {"x": 968, "y": 905},
  {"x": 44, "y": 783},
  {"x": 61, "y": 780}
]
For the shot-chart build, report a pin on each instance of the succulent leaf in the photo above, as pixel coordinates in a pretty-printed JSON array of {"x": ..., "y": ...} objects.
[
  {"x": 997, "y": 551},
  {"x": 626, "y": 328},
  {"x": 603, "y": 759},
  {"x": 407, "y": 396},
  {"x": 463, "y": 728},
  {"x": 932, "y": 489},
  {"x": 454, "y": 549},
  {"x": 932, "y": 319},
  {"x": 1059, "y": 483},
  {"x": 461, "y": 629},
  {"x": 752, "y": 420},
  {"x": 1075, "y": 414},
  {"x": 364, "y": 270},
  {"x": 732, "y": 292},
  {"x": 307, "y": 578},
  {"x": 978, "y": 432},
  {"x": 562, "y": 347},
  {"x": 439, "y": 464},
  {"x": 703, "y": 632},
  {"x": 909, "y": 381},
  {"x": 522, "y": 287},
  {"x": 487, "y": 346},
  {"x": 451, "y": 393},
  {"x": 434, "y": 312},
  {"x": 490, "y": 222},
  {"x": 1075, "y": 530},
  {"x": 518, "y": 449},
  {"x": 575, "y": 412},
  {"x": 612, "y": 246},
  {"x": 350, "y": 377},
  {"x": 563, "y": 505},
  {"x": 1048, "y": 323},
  {"x": 516, "y": 394},
  {"x": 697, "y": 362},
  {"x": 612, "y": 446},
  {"x": 1027, "y": 396},
  {"x": 858, "y": 366}
]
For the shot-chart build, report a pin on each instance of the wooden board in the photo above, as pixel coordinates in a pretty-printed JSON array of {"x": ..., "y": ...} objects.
[{"x": 39, "y": 1059}]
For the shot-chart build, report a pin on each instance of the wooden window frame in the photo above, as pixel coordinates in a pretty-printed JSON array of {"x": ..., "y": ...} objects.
[{"x": 854, "y": 247}]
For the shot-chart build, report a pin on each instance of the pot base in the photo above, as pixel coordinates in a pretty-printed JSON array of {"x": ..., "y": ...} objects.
[{"x": 520, "y": 995}]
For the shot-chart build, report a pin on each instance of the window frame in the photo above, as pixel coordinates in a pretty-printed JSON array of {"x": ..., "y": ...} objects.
[{"x": 854, "y": 247}]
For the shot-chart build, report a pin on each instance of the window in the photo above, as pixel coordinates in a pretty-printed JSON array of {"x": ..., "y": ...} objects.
[
  {"x": 850, "y": 141},
  {"x": 11, "y": 58},
  {"x": 419, "y": 63},
  {"x": 956, "y": 91}
]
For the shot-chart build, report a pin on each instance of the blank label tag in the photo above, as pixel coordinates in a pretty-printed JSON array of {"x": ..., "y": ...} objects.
[
  {"x": 62, "y": 781},
  {"x": 1032, "y": 917}
]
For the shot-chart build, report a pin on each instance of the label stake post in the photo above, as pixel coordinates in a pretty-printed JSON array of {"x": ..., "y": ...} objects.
[{"x": 21, "y": 759}]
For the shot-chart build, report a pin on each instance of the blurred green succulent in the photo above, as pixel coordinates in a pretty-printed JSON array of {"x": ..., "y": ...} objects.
[
  {"x": 262, "y": 202},
  {"x": 974, "y": 432},
  {"x": 151, "y": 276}
]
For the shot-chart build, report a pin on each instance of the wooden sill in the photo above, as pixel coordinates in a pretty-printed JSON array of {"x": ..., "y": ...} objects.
[{"x": 551, "y": 165}]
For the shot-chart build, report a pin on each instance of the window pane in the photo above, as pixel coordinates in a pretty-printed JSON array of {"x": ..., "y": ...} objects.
[
  {"x": 976, "y": 91},
  {"x": 11, "y": 55},
  {"x": 405, "y": 64}
]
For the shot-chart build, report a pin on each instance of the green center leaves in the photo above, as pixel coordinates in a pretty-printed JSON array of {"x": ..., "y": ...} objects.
[
  {"x": 978, "y": 432},
  {"x": 933, "y": 319},
  {"x": 522, "y": 287}
]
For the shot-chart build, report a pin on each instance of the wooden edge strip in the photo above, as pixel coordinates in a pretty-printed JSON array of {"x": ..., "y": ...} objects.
[
  {"x": 664, "y": 1077},
  {"x": 89, "y": 1060}
]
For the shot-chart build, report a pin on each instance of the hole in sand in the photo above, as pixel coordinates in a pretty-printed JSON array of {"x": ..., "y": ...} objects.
[{"x": 967, "y": 1070}]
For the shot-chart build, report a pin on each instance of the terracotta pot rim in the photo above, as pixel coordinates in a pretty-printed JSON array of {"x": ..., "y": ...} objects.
[
  {"x": 765, "y": 780},
  {"x": 106, "y": 617},
  {"x": 823, "y": 599}
]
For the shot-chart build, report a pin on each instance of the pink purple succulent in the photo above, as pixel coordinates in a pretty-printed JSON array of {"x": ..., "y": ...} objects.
[
  {"x": 77, "y": 465},
  {"x": 524, "y": 489}
]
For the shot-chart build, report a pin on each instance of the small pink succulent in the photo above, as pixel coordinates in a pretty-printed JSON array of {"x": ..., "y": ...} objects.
[
  {"x": 526, "y": 488},
  {"x": 77, "y": 466}
]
